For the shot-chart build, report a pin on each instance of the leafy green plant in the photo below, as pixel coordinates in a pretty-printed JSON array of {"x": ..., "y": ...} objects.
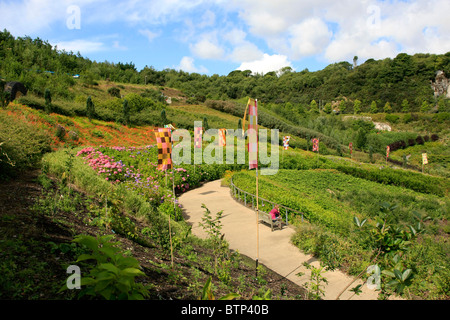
[
  {"x": 207, "y": 293},
  {"x": 399, "y": 277},
  {"x": 389, "y": 244},
  {"x": 317, "y": 281},
  {"x": 212, "y": 227},
  {"x": 113, "y": 275},
  {"x": 266, "y": 296}
]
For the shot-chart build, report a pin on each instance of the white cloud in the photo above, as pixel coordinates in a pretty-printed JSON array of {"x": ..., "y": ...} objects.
[
  {"x": 309, "y": 37},
  {"x": 208, "y": 19},
  {"x": 81, "y": 45},
  {"x": 338, "y": 30},
  {"x": 150, "y": 35},
  {"x": 272, "y": 18},
  {"x": 385, "y": 29},
  {"x": 140, "y": 11},
  {"x": 235, "y": 36},
  {"x": 118, "y": 46},
  {"x": 30, "y": 17},
  {"x": 242, "y": 30},
  {"x": 187, "y": 65},
  {"x": 245, "y": 53},
  {"x": 207, "y": 47},
  {"x": 241, "y": 49},
  {"x": 266, "y": 64}
]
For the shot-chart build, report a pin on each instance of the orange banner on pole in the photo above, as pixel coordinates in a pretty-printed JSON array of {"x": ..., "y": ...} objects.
[
  {"x": 315, "y": 145},
  {"x": 198, "y": 132},
  {"x": 253, "y": 134},
  {"x": 222, "y": 137},
  {"x": 424, "y": 158},
  {"x": 164, "y": 143},
  {"x": 286, "y": 142}
]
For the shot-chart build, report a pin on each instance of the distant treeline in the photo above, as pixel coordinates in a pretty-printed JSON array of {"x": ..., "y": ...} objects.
[{"x": 403, "y": 82}]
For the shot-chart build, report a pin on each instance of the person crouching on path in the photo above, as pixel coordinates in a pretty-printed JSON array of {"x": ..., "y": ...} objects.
[{"x": 275, "y": 213}]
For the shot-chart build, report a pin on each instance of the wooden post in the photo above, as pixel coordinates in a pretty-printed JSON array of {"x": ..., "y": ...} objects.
[
  {"x": 257, "y": 222},
  {"x": 174, "y": 205},
  {"x": 173, "y": 189}
]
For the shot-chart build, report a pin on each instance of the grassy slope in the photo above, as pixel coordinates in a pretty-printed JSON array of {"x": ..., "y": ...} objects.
[{"x": 111, "y": 134}]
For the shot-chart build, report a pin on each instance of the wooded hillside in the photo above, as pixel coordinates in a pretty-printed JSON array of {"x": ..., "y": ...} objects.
[{"x": 402, "y": 84}]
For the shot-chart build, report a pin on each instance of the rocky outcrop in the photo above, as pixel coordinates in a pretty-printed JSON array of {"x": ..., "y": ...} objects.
[
  {"x": 382, "y": 126},
  {"x": 441, "y": 85}
]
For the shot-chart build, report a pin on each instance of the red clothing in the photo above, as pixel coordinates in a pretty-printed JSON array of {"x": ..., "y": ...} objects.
[{"x": 274, "y": 214}]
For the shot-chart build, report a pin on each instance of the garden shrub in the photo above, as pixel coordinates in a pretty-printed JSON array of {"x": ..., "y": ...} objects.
[
  {"x": 21, "y": 145},
  {"x": 392, "y": 118},
  {"x": 114, "y": 92}
]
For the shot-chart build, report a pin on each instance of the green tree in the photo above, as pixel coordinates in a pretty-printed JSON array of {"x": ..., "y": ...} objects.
[
  {"x": 88, "y": 78},
  {"x": 425, "y": 107},
  {"x": 48, "y": 101},
  {"x": 205, "y": 123},
  {"x": 361, "y": 138},
  {"x": 90, "y": 108},
  {"x": 342, "y": 106},
  {"x": 387, "y": 107},
  {"x": 355, "y": 61},
  {"x": 357, "y": 106},
  {"x": 405, "y": 105},
  {"x": 163, "y": 117},
  {"x": 313, "y": 107},
  {"x": 373, "y": 107},
  {"x": 327, "y": 108},
  {"x": 126, "y": 112}
]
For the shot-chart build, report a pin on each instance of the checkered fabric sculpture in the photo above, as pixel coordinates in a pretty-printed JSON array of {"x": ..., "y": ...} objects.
[
  {"x": 198, "y": 131},
  {"x": 164, "y": 143}
]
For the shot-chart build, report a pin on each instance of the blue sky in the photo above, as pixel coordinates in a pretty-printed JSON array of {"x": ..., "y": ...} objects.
[{"x": 219, "y": 36}]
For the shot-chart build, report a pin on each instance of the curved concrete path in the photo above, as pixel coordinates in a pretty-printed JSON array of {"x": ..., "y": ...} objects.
[{"x": 276, "y": 251}]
